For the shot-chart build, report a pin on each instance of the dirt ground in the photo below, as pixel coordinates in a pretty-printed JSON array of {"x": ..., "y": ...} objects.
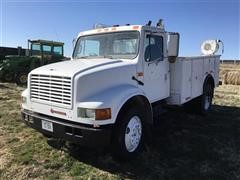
[{"x": 185, "y": 146}]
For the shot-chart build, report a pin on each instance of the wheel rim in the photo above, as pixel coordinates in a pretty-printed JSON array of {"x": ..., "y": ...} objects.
[
  {"x": 23, "y": 79},
  {"x": 133, "y": 134},
  {"x": 207, "y": 103}
]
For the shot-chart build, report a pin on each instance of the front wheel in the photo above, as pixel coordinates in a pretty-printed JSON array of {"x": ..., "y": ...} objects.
[
  {"x": 128, "y": 137},
  {"x": 21, "y": 78}
]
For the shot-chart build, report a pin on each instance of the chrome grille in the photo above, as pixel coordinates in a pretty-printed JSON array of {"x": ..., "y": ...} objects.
[{"x": 55, "y": 90}]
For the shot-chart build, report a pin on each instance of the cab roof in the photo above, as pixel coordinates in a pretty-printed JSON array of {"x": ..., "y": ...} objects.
[
  {"x": 41, "y": 41},
  {"x": 111, "y": 29},
  {"x": 121, "y": 28}
]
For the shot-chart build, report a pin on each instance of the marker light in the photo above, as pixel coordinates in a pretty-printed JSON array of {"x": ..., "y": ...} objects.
[
  {"x": 102, "y": 114},
  {"x": 135, "y": 27}
]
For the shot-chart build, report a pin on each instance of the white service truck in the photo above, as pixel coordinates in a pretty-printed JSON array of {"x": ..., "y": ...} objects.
[{"x": 115, "y": 86}]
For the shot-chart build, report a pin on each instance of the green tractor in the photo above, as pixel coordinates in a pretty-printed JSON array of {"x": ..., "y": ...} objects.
[{"x": 41, "y": 52}]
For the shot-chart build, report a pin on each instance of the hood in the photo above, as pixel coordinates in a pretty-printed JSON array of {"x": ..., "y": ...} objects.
[
  {"x": 16, "y": 58},
  {"x": 70, "y": 68}
]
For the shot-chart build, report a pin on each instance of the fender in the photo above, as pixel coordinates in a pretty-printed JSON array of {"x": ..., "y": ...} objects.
[
  {"x": 25, "y": 94},
  {"x": 209, "y": 78},
  {"x": 113, "y": 98}
]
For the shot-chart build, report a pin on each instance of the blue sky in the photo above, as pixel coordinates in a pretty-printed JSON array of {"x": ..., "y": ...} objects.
[{"x": 62, "y": 20}]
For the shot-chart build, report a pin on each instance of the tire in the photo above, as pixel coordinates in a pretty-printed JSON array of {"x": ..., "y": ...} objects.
[
  {"x": 202, "y": 104},
  {"x": 21, "y": 78},
  {"x": 47, "y": 135},
  {"x": 129, "y": 134},
  {"x": 205, "y": 103},
  {"x": 7, "y": 77}
]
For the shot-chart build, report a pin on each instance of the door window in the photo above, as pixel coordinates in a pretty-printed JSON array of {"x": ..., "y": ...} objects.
[{"x": 153, "y": 48}]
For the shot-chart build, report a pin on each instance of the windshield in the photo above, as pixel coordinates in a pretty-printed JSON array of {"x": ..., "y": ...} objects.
[{"x": 122, "y": 45}]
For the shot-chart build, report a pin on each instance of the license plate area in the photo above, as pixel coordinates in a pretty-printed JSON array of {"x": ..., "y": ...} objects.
[{"x": 46, "y": 125}]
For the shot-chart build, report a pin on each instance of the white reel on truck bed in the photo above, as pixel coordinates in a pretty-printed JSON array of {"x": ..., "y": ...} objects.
[{"x": 210, "y": 47}]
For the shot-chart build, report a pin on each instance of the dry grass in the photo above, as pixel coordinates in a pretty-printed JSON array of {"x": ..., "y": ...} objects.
[{"x": 185, "y": 146}]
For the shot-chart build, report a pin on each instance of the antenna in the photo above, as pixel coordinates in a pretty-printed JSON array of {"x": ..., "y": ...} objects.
[
  {"x": 56, "y": 34},
  {"x": 160, "y": 24}
]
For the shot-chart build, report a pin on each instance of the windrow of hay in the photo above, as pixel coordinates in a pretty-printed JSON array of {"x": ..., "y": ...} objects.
[
  {"x": 231, "y": 77},
  {"x": 222, "y": 73}
]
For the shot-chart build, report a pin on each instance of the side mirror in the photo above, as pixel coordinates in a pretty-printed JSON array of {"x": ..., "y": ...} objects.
[{"x": 173, "y": 46}]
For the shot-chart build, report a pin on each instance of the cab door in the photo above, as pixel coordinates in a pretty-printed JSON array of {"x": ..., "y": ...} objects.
[{"x": 156, "y": 67}]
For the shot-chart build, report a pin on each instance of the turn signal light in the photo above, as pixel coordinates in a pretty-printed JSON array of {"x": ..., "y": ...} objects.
[{"x": 103, "y": 114}]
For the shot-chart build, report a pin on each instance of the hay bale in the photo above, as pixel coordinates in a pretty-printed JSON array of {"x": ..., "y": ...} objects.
[
  {"x": 232, "y": 77},
  {"x": 222, "y": 73}
]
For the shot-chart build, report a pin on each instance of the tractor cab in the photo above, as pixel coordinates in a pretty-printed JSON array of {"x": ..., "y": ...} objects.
[
  {"x": 41, "y": 52},
  {"x": 47, "y": 51}
]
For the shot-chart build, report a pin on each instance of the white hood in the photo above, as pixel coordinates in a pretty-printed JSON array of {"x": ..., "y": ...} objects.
[{"x": 69, "y": 68}]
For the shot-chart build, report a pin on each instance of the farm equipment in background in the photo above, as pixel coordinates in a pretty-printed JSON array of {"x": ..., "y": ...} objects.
[
  {"x": 6, "y": 51},
  {"x": 41, "y": 52}
]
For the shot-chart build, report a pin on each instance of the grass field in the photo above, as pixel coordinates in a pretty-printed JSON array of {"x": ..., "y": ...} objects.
[{"x": 185, "y": 146}]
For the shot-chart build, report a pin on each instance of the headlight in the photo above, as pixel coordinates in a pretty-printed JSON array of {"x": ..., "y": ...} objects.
[
  {"x": 97, "y": 114},
  {"x": 86, "y": 113},
  {"x": 90, "y": 113},
  {"x": 24, "y": 99}
]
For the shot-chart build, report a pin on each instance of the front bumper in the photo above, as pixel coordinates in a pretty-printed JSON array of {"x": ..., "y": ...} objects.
[{"x": 70, "y": 131}]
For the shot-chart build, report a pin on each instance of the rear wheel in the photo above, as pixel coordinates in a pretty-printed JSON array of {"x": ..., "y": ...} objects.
[
  {"x": 203, "y": 103},
  {"x": 21, "y": 78},
  {"x": 206, "y": 99},
  {"x": 128, "y": 137}
]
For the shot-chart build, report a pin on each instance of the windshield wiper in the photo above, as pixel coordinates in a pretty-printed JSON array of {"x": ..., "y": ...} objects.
[
  {"x": 108, "y": 56},
  {"x": 89, "y": 57},
  {"x": 83, "y": 57}
]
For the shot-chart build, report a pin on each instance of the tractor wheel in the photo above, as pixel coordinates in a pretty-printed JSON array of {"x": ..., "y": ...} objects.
[
  {"x": 21, "y": 78},
  {"x": 7, "y": 77}
]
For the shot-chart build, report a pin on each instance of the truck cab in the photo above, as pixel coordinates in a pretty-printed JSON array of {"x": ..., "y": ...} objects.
[{"x": 118, "y": 80}]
